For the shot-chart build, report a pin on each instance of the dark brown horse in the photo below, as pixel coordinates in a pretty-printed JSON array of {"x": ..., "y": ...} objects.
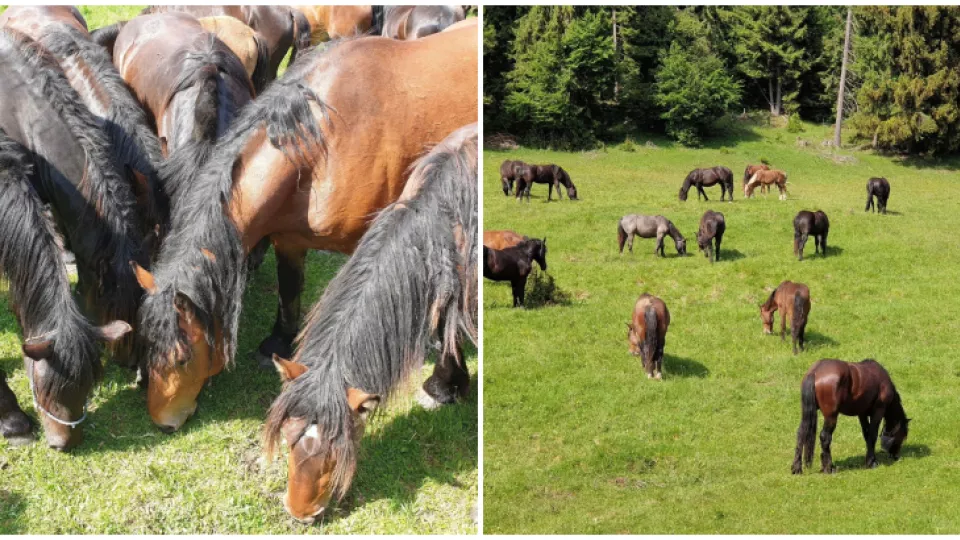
[
  {"x": 514, "y": 264},
  {"x": 15, "y": 426},
  {"x": 879, "y": 188},
  {"x": 508, "y": 174},
  {"x": 705, "y": 178},
  {"x": 414, "y": 22},
  {"x": 34, "y": 20},
  {"x": 552, "y": 175},
  {"x": 793, "y": 302},
  {"x": 647, "y": 333},
  {"x": 502, "y": 239},
  {"x": 335, "y": 22},
  {"x": 712, "y": 227},
  {"x": 864, "y": 390},
  {"x": 246, "y": 43},
  {"x": 807, "y": 223},
  {"x": 291, "y": 168}
]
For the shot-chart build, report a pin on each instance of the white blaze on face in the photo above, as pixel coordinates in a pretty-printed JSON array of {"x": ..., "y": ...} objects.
[{"x": 312, "y": 432}]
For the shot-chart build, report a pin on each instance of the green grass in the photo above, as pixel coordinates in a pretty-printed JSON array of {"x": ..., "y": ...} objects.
[
  {"x": 577, "y": 440},
  {"x": 418, "y": 470}
]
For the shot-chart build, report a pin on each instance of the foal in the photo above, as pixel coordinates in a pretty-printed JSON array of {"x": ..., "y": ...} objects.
[
  {"x": 807, "y": 223},
  {"x": 514, "y": 264},
  {"x": 879, "y": 188},
  {"x": 647, "y": 333},
  {"x": 793, "y": 301},
  {"x": 750, "y": 171},
  {"x": 766, "y": 179},
  {"x": 712, "y": 226},
  {"x": 649, "y": 227},
  {"x": 863, "y": 390}
]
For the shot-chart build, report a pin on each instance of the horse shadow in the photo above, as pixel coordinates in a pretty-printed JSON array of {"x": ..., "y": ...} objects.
[
  {"x": 908, "y": 451},
  {"x": 816, "y": 339},
  {"x": 674, "y": 366},
  {"x": 12, "y": 506},
  {"x": 731, "y": 255}
]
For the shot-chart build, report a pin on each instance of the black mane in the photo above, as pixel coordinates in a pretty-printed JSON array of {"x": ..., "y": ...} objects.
[
  {"x": 407, "y": 280},
  {"x": 39, "y": 287}
]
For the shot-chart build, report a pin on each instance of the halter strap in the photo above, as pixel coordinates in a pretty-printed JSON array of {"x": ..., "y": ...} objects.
[{"x": 36, "y": 405}]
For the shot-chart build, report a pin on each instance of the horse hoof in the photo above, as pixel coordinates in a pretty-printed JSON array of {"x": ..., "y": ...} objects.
[
  {"x": 264, "y": 362},
  {"x": 832, "y": 469},
  {"x": 872, "y": 464},
  {"x": 796, "y": 469},
  {"x": 426, "y": 401}
]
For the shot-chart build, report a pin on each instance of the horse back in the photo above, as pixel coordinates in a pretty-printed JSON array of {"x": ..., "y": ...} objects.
[
  {"x": 34, "y": 20},
  {"x": 660, "y": 308},
  {"x": 502, "y": 239}
]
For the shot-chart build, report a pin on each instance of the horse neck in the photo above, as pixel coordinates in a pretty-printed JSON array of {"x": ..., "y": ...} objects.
[
  {"x": 894, "y": 413},
  {"x": 673, "y": 231},
  {"x": 687, "y": 183},
  {"x": 771, "y": 303}
]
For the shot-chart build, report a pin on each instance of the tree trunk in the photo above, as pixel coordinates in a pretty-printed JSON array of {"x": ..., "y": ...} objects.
[
  {"x": 772, "y": 99},
  {"x": 843, "y": 80},
  {"x": 779, "y": 93},
  {"x": 616, "y": 80}
]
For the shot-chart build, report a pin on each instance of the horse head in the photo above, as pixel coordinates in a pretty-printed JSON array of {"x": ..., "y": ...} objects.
[{"x": 891, "y": 440}]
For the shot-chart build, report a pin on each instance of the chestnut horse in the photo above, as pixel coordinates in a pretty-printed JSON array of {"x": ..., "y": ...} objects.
[
  {"x": 712, "y": 227},
  {"x": 348, "y": 362},
  {"x": 879, "y": 188},
  {"x": 189, "y": 82},
  {"x": 245, "y": 42},
  {"x": 61, "y": 349},
  {"x": 88, "y": 69},
  {"x": 502, "y": 239},
  {"x": 413, "y": 22},
  {"x": 705, "y": 178},
  {"x": 750, "y": 171},
  {"x": 334, "y": 22},
  {"x": 306, "y": 164},
  {"x": 767, "y": 178},
  {"x": 793, "y": 301},
  {"x": 807, "y": 223},
  {"x": 863, "y": 389},
  {"x": 647, "y": 333}
]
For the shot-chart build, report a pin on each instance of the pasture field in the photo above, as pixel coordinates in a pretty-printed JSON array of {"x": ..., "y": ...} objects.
[
  {"x": 417, "y": 472},
  {"x": 577, "y": 440}
]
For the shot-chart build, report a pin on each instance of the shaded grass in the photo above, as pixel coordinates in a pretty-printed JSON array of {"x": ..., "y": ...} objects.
[
  {"x": 578, "y": 440},
  {"x": 418, "y": 470}
]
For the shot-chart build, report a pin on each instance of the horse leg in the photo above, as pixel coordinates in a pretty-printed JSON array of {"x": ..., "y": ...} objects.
[
  {"x": 290, "y": 263},
  {"x": 716, "y": 251},
  {"x": 517, "y": 285},
  {"x": 823, "y": 245},
  {"x": 826, "y": 436},
  {"x": 816, "y": 244},
  {"x": 450, "y": 378},
  {"x": 869, "y": 203},
  {"x": 658, "y": 367},
  {"x": 870, "y": 436},
  {"x": 550, "y": 192},
  {"x": 802, "y": 244},
  {"x": 630, "y": 242},
  {"x": 700, "y": 191},
  {"x": 658, "y": 250},
  {"x": 783, "y": 325}
]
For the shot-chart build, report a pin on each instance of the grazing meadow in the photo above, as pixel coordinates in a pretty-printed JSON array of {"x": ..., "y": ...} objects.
[
  {"x": 578, "y": 440},
  {"x": 417, "y": 471}
]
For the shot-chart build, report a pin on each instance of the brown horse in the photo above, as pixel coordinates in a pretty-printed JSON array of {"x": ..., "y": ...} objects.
[
  {"x": 414, "y": 22},
  {"x": 705, "y": 178},
  {"x": 334, "y": 22},
  {"x": 864, "y": 390},
  {"x": 307, "y": 164},
  {"x": 245, "y": 42},
  {"x": 647, "y": 333},
  {"x": 34, "y": 20},
  {"x": 767, "y": 178},
  {"x": 509, "y": 174},
  {"x": 793, "y": 301},
  {"x": 282, "y": 27},
  {"x": 807, "y": 223},
  {"x": 750, "y": 171},
  {"x": 502, "y": 239}
]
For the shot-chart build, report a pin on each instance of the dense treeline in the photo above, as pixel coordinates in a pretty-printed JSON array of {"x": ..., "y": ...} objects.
[{"x": 568, "y": 76}]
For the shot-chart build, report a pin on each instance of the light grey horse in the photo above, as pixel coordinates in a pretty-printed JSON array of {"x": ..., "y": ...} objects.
[{"x": 649, "y": 227}]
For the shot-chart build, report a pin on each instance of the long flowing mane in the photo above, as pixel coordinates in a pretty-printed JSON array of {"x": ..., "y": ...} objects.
[
  {"x": 413, "y": 275},
  {"x": 199, "y": 219},
  {"x": 38, "y": 283},
  {"x": 104, "y": 234},
  {"x": 132, "y": 140}
]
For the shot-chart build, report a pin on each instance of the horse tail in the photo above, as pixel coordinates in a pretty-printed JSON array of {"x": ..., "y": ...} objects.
[
  {"x": 621, "y": 235},
  {"x": 107, "y": 36},
  {"x": 798, "y": 317},
  {"x": 806, "y": 434},
  {"x": 301, "y": 34},
  {"x": 650, "y": 332},
  {"x": 261, "y": 71}
]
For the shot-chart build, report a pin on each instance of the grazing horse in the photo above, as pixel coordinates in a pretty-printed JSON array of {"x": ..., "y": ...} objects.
[
  {"x": 514, "y": 264},
  {"x": 649, "y": 227},
  {"x": 879, "y": 188},
  {"x": 767, "y": 178},
  {"x": 861, "y": 389},
  {"x": 807, "y": 223},
  {"x": 189, "y": 82},
  {"x": 793, "y": 301},
  {"x": 414, "y": 22},
  {"x": 647, "y": 333},
  {"x": 289, "y": 169},
  {"x": 347, "y": 362},
  {"x": 334, "y": 22},
  {"x": 552, "y": 175},
  {"x": 15, "y": 426},
  {"x": 503, "y": 239},
  {"x": 712, "y": 227},
  {"x": 705, "y": 178},
  {"x": 75, "y": 173},
  {"x": 246, "y": 43},
  {"x": 281, "y": 27},
  {"x": 90, "y": 72},
  {"x": 750, "y": 171},
  {"x": 61, "y": 349},
  {"x": 508, "y": 174}
]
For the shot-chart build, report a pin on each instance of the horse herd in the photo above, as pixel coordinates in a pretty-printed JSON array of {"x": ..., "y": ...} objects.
[
  {"x": 168, "y": 164},
  {"x": 834, "y": 387}
]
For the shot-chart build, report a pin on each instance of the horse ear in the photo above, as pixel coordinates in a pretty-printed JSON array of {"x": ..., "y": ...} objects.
[
  {"x": 288, "y": 369},
  {"x": 40, "y": 347},
  {"x": 115, "y": 330},
  {"x": 362, "y": 402},
  {"x": 144, "y": 278}
]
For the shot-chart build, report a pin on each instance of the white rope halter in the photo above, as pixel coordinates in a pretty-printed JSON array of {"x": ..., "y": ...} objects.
[{"x": 36, "y": 405}]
